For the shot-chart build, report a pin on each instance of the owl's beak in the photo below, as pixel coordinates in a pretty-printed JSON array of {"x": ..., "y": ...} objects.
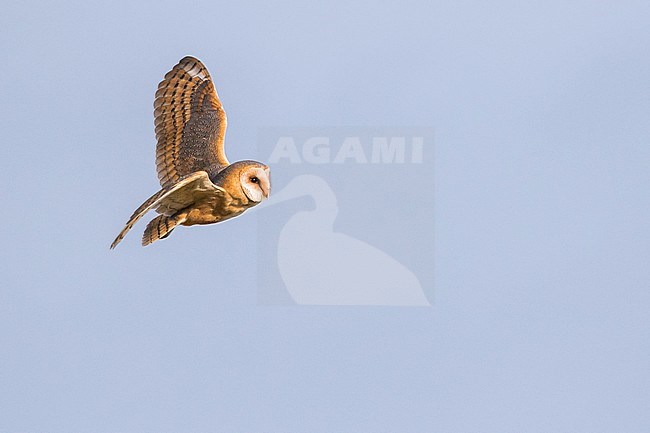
[{"x": 266, "y": 186}]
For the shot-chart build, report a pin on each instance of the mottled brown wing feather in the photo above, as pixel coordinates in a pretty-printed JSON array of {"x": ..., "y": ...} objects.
[
  {"x": 173, "y": 198},
  {"x": 158, "y": 228},
  {"x": 190, "y": 123}
]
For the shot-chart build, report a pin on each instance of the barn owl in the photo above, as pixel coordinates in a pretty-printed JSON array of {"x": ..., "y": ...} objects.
[{"x": 199, "y": 185}]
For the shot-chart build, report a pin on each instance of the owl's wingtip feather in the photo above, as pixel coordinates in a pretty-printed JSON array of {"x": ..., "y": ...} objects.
[{"x": 187, "y": 58}]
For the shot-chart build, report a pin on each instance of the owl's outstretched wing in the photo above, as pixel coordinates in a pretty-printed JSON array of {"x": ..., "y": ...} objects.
[
  {"x": 175, "y": 197},
  {"x": 190, "y": 123}
]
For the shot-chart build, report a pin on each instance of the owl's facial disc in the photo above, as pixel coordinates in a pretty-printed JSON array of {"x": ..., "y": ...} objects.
[{"x": 256, "y": 183}]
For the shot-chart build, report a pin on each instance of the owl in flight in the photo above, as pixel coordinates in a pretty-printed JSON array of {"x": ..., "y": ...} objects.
[{"x": 199, "y": 185}]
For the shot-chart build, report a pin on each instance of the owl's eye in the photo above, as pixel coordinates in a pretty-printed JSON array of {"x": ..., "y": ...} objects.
[{"x": 255, "y": 179}]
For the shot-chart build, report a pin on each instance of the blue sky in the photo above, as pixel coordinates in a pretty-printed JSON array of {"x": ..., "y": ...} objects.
[{"x": 540, "y": 321}]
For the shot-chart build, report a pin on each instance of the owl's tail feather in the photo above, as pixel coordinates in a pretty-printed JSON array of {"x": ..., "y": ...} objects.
[{"x": 159, "y": 228}]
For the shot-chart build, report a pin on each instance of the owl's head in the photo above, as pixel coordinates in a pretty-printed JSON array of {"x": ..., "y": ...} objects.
[
  {"x": 255, "y": 180},
  {"x": 246, "y": 180}
]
